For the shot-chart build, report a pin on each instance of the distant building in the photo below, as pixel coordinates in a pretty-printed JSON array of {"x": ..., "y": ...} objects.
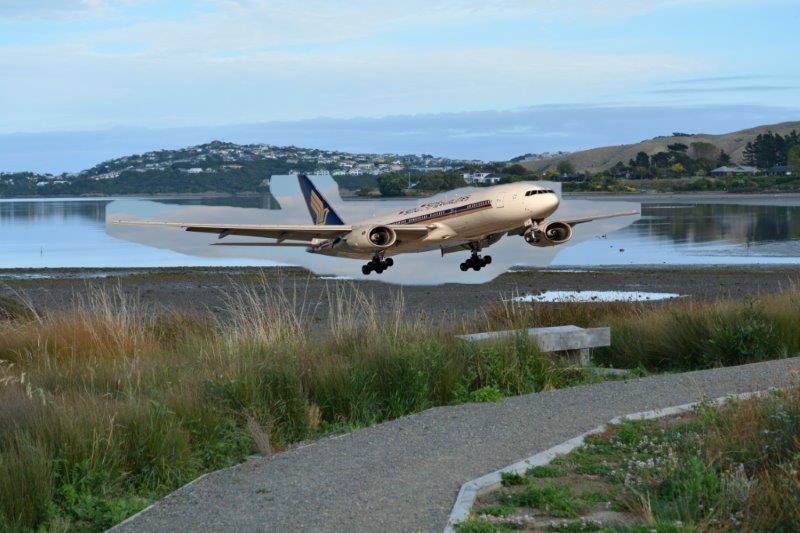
[
  {"x": 779, "y": 170},
  {"x": 734, "y": 169},
  {"x": 482, "y": 178}
]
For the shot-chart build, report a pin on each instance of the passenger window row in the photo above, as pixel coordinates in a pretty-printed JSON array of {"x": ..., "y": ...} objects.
[{"x": 538, "y": 191}]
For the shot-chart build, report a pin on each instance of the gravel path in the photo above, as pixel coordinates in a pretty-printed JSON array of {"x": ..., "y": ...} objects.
[{"x": 404, "y": 475}]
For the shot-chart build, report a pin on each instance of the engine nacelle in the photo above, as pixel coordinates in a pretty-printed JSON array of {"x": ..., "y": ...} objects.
[
  {"x": 549, "y": 234},
  {"x": 371, "y": 238}
]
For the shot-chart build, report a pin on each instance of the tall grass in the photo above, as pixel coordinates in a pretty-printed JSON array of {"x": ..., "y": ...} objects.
[
  {"x": 111, "y": 404},
  {"x": 680, "y": 335}
]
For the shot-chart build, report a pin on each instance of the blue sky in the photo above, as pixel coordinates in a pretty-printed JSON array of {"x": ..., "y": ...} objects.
[{"x": 76, "y": 65}]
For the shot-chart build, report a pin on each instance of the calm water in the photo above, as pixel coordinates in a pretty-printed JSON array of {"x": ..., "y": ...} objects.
[
  {"x": 73, "y": 233},
  {"x": 51, "y": 233}
]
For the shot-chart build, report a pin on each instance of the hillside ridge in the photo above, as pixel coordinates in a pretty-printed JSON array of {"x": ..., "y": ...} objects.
[{"x": 595, "y": 160}]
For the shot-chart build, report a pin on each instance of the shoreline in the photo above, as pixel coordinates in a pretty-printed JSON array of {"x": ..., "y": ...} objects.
[
  {"x": 254, "y": 194},
  {"x": 206, "y": 289}
]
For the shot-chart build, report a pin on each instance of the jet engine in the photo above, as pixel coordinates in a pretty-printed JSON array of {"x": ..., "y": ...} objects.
[
  {"x": 549, "y": 234},
  {"x": 371, "y": 238}
]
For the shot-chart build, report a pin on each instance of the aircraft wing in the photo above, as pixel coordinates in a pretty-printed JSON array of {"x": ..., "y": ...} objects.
[
  {"x": 574, "y": 221},
  {"x": 298, "y": 232},
  {"x": 281, "y": 232}
]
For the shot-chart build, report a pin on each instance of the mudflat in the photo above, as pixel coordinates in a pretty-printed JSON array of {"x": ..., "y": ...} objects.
[{"x": 208, "y": 289}]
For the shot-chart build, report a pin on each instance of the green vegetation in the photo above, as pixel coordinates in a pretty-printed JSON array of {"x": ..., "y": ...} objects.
[
  {"x": 682, "y": 335},
  {"x": 544, "y": 471},
  {"x": 395, "y": 184},
  {"x": 686, "y": 168},
  {"x": 110, "y": 405},
  {"x": 770, "y": 149},
  {"x": 729, "y": 468},
  {"x": 742, "y": 183}
]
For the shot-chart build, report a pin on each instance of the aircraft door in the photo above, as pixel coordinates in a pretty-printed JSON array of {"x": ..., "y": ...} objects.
[{"x": 499, "y": 202}]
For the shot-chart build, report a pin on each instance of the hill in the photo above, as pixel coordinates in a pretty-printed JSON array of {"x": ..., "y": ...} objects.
[
  {"x": 599, "y": 159},
  {"x": 219, "y": 167}
]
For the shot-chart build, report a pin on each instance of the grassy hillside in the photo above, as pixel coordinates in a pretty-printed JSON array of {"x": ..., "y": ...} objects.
[{"x": 599, "y": 159}]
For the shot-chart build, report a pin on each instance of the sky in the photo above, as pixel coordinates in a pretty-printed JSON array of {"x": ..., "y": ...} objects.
[{"x": 207, "y": 66}]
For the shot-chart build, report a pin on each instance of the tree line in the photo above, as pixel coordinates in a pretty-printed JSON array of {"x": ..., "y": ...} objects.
[{"x": 768, "y": 150}]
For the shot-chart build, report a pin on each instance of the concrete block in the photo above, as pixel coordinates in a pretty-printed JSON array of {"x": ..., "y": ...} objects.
[{"x": 554, "y": 339}]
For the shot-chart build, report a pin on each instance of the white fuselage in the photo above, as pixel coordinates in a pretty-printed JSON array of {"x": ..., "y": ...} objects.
[{"x": 469, "y": 217}]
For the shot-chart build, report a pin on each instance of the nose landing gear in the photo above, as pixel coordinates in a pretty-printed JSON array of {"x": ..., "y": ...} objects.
[
  {"x": 476, "y": 262},
  {"x": 377, "y": 265}
]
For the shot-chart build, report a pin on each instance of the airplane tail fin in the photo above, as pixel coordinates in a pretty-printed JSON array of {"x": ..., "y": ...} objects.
[{"x": 318, "y": 207}]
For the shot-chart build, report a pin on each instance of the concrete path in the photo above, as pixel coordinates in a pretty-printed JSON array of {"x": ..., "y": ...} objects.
[{"x": 404, "y": 475}]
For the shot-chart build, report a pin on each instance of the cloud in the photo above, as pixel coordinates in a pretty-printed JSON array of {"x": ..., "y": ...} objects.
[
  {"x": 715, "y": 79},
  {"x": 97, "y": 87},
  {"x": 729, "y": 89},
  {"x": 49, "y": 8}
]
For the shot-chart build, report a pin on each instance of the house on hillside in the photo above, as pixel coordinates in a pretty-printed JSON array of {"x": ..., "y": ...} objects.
[
  {"x": 779, "y": 170},
  {"x": 733, "y": 170},
  {"x": 482, "y": 178}
]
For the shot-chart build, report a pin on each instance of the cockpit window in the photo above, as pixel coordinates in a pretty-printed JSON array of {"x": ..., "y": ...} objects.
[{"x": 538, "y": 191}]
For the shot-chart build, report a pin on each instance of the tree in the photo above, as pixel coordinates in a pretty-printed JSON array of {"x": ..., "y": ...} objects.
[
  {"x": 794, "y": 160},
  {"x": 724, "y": 158},
  {"x": 618, "y": 170},
  {"x": 661, "y": 159},
  {"x": 677, "y": 169},
  {"x": 391, "y": 184},
  {"x": 440, "y": 181},
  {"x": 642, "y": 160},
  {"x": 677, "y": 147},
  {"x": 769, "y": 149},
  {"x": 515, "y": 170},
  {"x": 565, "y": 168}
]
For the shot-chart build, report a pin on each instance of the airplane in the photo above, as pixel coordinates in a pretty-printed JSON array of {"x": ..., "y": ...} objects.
[{"x": 472, "y": 221}]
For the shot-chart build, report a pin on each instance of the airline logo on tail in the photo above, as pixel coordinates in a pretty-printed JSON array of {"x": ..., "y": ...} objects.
[{"x": 320, "y": 210}]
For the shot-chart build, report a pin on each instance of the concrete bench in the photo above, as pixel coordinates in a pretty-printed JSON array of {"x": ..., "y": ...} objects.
[{"x": 565, "y": 340}]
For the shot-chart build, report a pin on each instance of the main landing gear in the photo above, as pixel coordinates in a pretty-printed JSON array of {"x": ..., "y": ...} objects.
[
  {"x": 377, "y": 265},
  {"x": 476, "y": 262}
]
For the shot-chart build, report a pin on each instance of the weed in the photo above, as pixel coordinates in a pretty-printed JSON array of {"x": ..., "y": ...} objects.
[
  {"x": 494, "y": 510},
  {"x": 512, "y": 478},
  {"x": 544, "y": 471},
  {"x": 554, "y": 500},
  {"x": 486, "y": 394}
]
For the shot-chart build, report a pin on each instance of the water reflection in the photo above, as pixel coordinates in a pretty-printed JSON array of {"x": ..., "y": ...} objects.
[
  {"x": 70, "y": 232},
  {"x": 703, "y": 223},
  {"x": 52, "y": 210},
  {"x": 707, "y": 233}
]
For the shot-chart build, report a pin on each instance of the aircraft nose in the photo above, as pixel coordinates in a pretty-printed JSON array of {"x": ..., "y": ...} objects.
[{"x": 556, "y": 201}]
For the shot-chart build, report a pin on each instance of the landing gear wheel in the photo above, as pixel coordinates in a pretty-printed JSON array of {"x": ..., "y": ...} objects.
[
  {"x": 377, "y": 265},
  {"x": 487, "y": 260},
  {"x": 464, "y": 267},
  {"x": 476, "y": 266}
]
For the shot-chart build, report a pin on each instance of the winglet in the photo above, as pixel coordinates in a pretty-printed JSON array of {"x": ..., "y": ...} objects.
[{"x": 318, "y": 207}]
